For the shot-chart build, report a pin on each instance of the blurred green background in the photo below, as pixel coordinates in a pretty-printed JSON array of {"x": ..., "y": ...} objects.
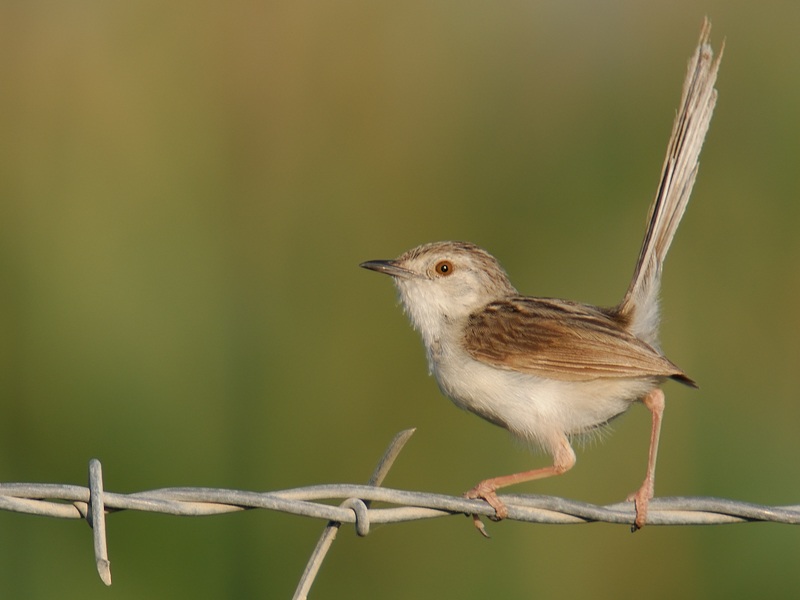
[{"x": 187, "y": 189}]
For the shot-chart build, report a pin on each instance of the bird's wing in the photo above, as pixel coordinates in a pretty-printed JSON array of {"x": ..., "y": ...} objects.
[{"x": 561, "y": 340}]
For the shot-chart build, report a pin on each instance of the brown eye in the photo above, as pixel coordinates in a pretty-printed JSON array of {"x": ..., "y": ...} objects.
[{"x": 444, "y": 267}]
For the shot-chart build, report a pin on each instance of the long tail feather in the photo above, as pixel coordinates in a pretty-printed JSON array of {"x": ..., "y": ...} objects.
[{"x": 640, "y": 304}]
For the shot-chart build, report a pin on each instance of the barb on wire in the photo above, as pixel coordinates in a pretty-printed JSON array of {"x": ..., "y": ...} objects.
[
  {"x": 332, "y": 528},
  {"x": 97, "y": 520},
  {"x": 92, "y": 503}
]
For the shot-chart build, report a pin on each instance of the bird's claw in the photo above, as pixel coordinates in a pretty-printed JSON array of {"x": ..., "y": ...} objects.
[{"x": 488, "y": 494}]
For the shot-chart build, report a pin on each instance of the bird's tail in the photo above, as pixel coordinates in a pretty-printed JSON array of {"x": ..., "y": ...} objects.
[{"x": 639, "y": 307}]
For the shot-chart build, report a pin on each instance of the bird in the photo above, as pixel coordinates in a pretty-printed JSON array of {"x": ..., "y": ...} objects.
[{"x": 548, "y": 370}]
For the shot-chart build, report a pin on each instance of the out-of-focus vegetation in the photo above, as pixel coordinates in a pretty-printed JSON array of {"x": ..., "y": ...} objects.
[{"x": 186, "y": 190}]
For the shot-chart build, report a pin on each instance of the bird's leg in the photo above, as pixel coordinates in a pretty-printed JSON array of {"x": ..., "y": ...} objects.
[
  {"x": 563, "y": 461},
  {"x": 654, "y": 401}
]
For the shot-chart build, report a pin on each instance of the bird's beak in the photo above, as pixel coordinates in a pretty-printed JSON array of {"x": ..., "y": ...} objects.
[{"x": 390, "y": 267}]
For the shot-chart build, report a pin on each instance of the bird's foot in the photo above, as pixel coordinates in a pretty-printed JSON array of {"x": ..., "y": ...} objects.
[
  {"x": 487, "y": 493},
  {"x": 641, "y": 499}
]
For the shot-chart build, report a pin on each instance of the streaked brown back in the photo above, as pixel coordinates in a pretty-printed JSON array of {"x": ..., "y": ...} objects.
[{"x": 562, "y": 340}]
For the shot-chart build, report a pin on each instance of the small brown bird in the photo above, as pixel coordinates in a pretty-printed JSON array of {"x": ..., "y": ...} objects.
[{"x": 548, "y": 370}]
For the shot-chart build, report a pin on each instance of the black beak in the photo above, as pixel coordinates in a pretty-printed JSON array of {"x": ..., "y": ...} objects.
[{"x": 389, "y": 267}]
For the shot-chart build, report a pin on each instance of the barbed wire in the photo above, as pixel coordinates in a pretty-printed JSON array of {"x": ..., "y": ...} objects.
[{"x": 92, "y": 503}]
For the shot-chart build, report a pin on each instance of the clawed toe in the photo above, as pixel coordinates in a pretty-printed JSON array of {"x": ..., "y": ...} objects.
[
  {"x": 489, "y": 495},
  {"x": 641, "y": 499}
]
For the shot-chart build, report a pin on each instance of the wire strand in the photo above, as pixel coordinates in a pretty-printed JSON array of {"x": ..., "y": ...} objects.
[{"x": 92, "y": 503}]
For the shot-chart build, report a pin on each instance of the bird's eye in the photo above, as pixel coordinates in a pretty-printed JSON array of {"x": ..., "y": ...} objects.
[{"x": 444, "y": 267}]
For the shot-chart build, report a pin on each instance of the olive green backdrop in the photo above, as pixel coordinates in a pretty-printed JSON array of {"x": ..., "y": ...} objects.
[{"x": 187, "y": 188}]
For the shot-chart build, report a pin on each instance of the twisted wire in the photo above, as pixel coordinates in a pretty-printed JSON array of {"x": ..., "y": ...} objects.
[
  {"x": 47, "y": 499},
  {"x": 93, "y": 503}
]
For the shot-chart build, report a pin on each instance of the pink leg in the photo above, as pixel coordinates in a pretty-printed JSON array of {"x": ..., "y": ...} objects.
[
  {"x": 654, "y": 401},
  {"x": 563, "y": 461}
]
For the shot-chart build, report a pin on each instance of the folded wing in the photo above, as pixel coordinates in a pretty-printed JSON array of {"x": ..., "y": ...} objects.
[{"x": 562, "y": 340}]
